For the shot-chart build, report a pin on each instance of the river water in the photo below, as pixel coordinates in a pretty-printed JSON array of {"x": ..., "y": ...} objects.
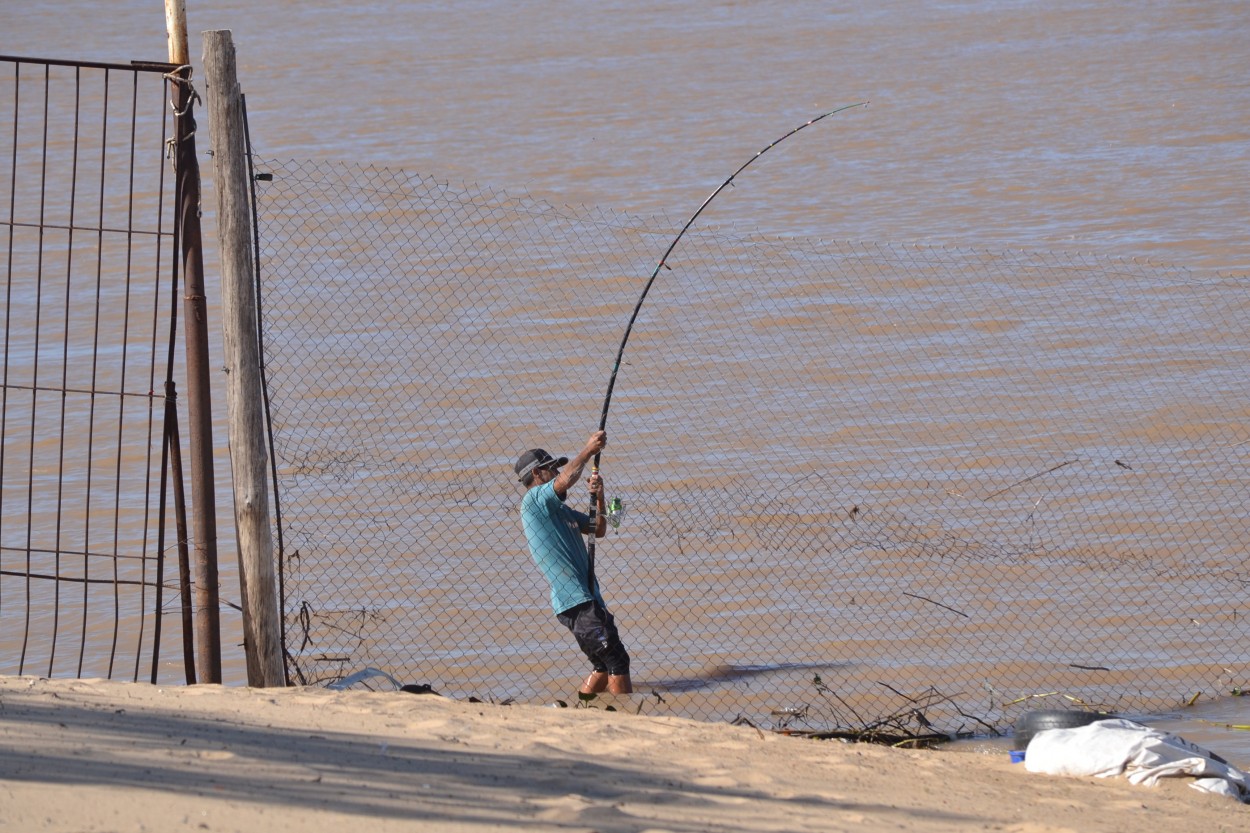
[{"x": 1077, "y": 125}]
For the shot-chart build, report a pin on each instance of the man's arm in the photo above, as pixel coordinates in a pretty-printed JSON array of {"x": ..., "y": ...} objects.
[{"x": 572, "y": 472}]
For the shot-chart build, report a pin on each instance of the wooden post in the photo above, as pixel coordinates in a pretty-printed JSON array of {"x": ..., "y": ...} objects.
[
  {"x": 244, "y": 403},
  {"x": 176, "y": 32},
  {"x": 195, "y": 328}
]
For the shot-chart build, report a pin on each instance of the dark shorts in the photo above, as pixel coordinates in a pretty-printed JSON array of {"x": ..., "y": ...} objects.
[{"x": 594, "y": 628}]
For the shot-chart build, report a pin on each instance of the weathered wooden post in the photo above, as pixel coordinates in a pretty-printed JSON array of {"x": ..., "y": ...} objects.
[
  {"x": 195, "y": 328},
  {"x": 262, "y": 627}
]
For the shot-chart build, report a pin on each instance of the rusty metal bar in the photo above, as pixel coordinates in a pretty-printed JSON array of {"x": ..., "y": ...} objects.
[
  {"x": 173, "y": 446},
  {"x": 133, "y": 66},
  {"x": 171, "y": 451},
  {"x": 69, "y": 280},
  {"x": 8, "y": 280},
  {"x": 34, "y": 405},
  {"x": 199, "y": 399}
]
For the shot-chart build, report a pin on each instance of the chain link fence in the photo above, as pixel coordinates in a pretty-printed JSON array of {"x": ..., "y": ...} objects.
[{"x": 862, "y": 483}]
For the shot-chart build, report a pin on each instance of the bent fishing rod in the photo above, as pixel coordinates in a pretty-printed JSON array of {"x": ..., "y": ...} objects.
[{"x": 629, "y": 328}]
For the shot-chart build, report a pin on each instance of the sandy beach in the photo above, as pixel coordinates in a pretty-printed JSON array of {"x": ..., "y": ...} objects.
[{"x": 93, "y": 755}]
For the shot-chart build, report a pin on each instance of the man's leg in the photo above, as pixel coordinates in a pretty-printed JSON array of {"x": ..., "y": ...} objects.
[
  {"x": 597, "y": 682},
  {"x": 618, "y": 684},
  {"x": 596, "y": 634}
]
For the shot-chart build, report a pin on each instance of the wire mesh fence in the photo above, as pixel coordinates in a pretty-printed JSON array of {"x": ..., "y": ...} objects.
[{"x": 861, "y": 483}]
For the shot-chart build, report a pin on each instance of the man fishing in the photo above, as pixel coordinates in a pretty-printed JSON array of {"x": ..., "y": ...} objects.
[{"x": 554, "y": 532}]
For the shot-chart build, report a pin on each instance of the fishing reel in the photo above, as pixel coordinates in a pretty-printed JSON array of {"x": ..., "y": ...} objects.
[{"x": 616, "y": 511}]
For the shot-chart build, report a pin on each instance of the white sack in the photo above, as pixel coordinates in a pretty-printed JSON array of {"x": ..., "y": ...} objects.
[{"x": 1144, "y": 755}]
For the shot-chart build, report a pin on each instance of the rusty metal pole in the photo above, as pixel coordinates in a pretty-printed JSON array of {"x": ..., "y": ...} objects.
[
  {"x": 187, "y": 606},
  {"x": 195, "y": 328}
]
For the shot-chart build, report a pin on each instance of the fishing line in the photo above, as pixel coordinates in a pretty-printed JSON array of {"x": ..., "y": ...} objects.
[{"x": 662, "y": 264}]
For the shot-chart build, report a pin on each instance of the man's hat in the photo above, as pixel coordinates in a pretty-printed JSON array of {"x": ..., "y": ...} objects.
[{"x": 535, "y": 458}]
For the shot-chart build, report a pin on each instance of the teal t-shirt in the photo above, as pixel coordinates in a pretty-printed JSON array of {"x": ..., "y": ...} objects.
[{"x": 554, "y": 534}]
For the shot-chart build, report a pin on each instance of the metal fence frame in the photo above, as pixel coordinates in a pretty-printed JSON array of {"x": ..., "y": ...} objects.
[{"x": 89, "y": 206}]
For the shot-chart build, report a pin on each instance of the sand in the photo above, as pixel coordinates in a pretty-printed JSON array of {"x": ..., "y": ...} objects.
[{"x": 94, "y": 755}]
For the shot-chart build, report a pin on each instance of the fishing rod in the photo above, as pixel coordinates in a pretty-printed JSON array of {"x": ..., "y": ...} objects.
[{"x": 629, "y": 328}]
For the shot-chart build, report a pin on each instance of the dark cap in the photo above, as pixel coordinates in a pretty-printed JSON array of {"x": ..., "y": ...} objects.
[{"x": 535, "y": 458}]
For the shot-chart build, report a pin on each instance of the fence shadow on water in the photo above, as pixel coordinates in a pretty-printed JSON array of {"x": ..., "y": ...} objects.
[{"x": 860, "y": 481}]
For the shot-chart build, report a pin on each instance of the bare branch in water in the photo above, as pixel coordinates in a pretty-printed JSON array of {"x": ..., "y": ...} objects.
[
  {"x": 939, "y": 604},
  {"x": 1027, "y": 479}
]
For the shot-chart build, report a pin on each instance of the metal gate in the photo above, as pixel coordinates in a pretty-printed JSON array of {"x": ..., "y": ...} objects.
[{"x": 90, "y": 492}]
